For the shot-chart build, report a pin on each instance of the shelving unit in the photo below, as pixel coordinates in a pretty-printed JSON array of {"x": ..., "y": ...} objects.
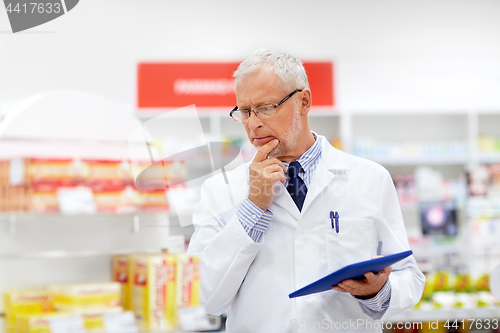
[{"x": 43, "y": 248}]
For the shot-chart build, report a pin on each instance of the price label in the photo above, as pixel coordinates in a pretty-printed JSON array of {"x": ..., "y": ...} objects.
[
  {"x": 123, "y": 322},
  {"x": 66, "y": 325},
  {"x": 76, "y": 200},
  {"x": 16, "y": 172},
  {"x": 193, "y": 319}
]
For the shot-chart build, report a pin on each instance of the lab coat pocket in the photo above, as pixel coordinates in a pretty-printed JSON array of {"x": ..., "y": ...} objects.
[{"x": 355, "y": 241}]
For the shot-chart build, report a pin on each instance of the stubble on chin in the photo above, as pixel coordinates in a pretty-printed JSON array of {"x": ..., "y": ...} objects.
[{"x": 277, "y": 151}]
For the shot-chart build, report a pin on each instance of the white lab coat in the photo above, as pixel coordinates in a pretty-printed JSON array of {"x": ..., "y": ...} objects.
[{"x": 251, "y": 281}]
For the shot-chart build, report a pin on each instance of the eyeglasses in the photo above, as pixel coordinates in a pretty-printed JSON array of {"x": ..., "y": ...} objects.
[{"x": 263, "y": 111}]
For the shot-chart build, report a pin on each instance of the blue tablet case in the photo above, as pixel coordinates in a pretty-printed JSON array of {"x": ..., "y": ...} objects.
[{"x": 354, "y": 271}]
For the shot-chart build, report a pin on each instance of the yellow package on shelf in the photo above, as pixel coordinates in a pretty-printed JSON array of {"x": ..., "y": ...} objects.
[
  {"x": 188, "y": 281},
  {"x": 93, "y": 294},
  {"x": 24, "y": 302},
  {"x": 121, "y": 274},
  {"x": 153, "y": 290},
  {"x": 38, "y": 323},
  {"x": 93, "y": 318}
]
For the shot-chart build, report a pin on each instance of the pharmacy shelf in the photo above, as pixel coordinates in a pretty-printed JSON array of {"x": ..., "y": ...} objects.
[
  {"x": 488, "y": 158},
  {"x": 440, "y": 314},
  {"x": 48, "y": 215},
  {"x": 68, "y": 254},
  {"x": 451, "y": 160},
  {"x": 141, "y": 330}
]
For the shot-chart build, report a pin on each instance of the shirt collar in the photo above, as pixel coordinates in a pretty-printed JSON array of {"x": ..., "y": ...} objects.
[{"x": 307, "y": 159}]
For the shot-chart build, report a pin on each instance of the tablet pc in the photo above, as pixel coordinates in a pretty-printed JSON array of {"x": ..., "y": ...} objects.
[{"x": 354, "y": 271}]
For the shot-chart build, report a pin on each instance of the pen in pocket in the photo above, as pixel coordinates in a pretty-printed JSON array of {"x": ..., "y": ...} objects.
[{"x": 334, "y": 218}]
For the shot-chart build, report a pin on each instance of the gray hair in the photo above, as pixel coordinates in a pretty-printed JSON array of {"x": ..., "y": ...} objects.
[{"x": 290, "y": 71}]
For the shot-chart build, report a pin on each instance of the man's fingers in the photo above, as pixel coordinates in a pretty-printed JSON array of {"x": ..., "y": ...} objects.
[
  {"x": 272, "y": 168},
  {"x": 273, "y": 160},
  {"x": 265, "y": 150},
  {"x": 277, "y": 175},
  {"x": 339, "y": 289},
  {"x": 369, "y": 276},
  {"x": 347, "y": 286}
]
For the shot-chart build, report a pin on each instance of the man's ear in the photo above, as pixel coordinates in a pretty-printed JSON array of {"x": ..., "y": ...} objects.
[{"x": 305, "y": 101}]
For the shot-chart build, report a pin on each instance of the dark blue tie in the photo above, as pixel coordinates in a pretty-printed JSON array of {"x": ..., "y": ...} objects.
[{"x": 296, "y": 186}]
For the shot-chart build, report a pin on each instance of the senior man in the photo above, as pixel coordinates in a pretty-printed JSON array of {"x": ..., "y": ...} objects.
[{"x": 278, "y": 237}]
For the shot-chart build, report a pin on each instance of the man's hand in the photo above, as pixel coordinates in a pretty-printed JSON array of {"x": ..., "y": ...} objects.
[
  {"x": 366, "y": 288},
  {"x": 264, "y": 172}
]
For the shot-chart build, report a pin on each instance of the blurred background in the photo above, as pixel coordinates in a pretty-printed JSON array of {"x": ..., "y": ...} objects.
[{"x": 412, "y": 85}]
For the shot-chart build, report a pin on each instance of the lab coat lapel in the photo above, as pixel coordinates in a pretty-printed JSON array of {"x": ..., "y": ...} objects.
[
  {"x": 283, "y": 199},
  {"x": 321, "y": 178}
]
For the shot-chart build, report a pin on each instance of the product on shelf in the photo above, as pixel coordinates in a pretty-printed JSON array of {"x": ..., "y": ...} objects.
[
  {"x": 4, "y": 173},
  {"x": 463, "y": 283},
  {"x": 43, "y": 198},
  {"x": 114, "y": 198},
  {"x": 188, "y": 277},
  {"x": 495, "y": 176},
  {"x": 38, "y": 323},
  {"x": 68, "y": 297},
  {"x": 53, "y": 170},
  {"x": 160, "y": 284},
  {"x": 439, "y": 218},
  {"x": 93, "y": 317},
  {"x": 444, "y": 290},
  {"x": 488, "y": 145},
  {"x": 405, "y": 188},
  {"x": 25, "y": 302},
  {"x": 31, "y": 310},
  {"x": 152, "y": 200},
  {"x": 148, "y": 175},
  {"x": 482, "y": 283},
  {"x": 16, "y": 198},
  {"x": 159, "y": 175},
  {"x": 478, "y": 180},
  {"x": 153, "y": 290},
  {"x": 92, "y": 320},
  {"x": 40, "y": 185},
  {"x": 121, "y": 269},
  {"x": 106, "y": 171}
]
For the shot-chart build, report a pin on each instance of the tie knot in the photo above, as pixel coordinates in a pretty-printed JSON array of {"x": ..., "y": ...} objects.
[{"x": 294, "y": 169}]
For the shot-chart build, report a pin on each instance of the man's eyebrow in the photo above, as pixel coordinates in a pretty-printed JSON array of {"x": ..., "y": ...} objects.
[
  {"x": 257, "y": 105},
  {"x": 243, "y": 108}
]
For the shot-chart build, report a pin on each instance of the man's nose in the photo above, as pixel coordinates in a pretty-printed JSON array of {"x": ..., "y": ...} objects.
[{"x": 254, "y": 121}]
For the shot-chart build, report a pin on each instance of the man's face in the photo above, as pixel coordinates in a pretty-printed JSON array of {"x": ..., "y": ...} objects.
[{"x": 261, "y": 88}]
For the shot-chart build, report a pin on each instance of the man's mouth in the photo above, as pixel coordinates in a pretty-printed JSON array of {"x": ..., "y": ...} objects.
[{"x": 262, "y": 140}]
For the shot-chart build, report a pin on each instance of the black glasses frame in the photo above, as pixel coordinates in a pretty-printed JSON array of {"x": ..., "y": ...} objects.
[{"x": 273, "y": 105}]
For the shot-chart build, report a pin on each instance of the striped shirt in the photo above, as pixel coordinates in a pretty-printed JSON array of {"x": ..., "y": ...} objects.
[{"x": 255, "y": 222}]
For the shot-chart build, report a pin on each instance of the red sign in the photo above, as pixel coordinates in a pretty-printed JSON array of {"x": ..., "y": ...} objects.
[{"x": 171, "y": 85}]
